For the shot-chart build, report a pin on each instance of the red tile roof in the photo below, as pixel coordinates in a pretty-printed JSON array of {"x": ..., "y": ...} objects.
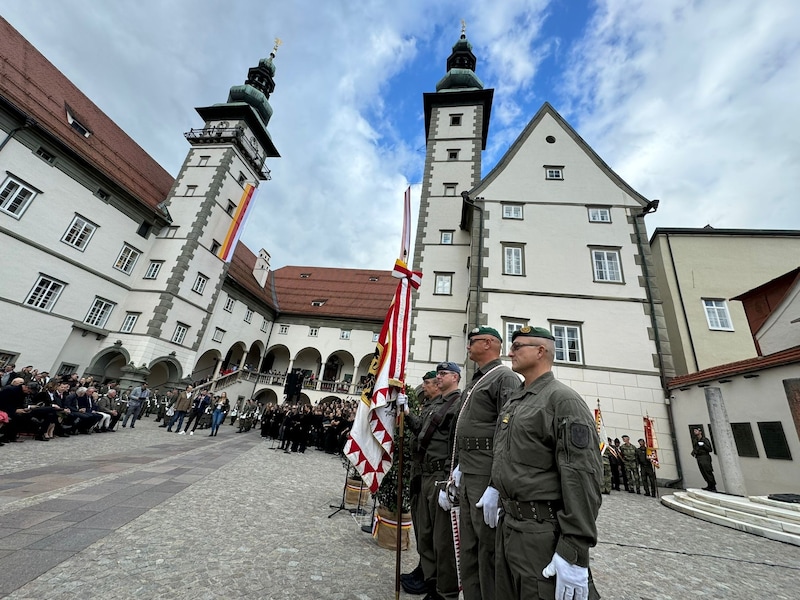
[
  {"x": 241, "y": 271},
  {"x": 347, "y": 293},
  {"x": 37, "y": 88},
  {"x": 750, "y": 365}
]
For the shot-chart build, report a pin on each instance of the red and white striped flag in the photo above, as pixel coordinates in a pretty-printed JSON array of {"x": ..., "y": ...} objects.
[
  {"x": 370, "y": 443},
  {"x": 650, "y": 440}
]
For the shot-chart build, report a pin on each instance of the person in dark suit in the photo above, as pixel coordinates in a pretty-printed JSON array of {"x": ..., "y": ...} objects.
[
  {"x": 79, "y": 406},
  {"x": 14, "y": 402}
]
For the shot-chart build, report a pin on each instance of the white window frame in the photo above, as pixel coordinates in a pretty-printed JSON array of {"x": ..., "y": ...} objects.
[
  {"x": 99, "y": 312},
  {"x": 510, "y": 326},
  {"x": 446, "y": 237},
  {"x": 514, "y": 260},
  {"x": 443, "y": 284},
  {"x": 283, "y": 330},
  {"x": 607, "y": 266},
  {"x": 313, "y": 331},
  {"x": 218, "y": 335},
  {"x": 10, "y": 202},
  {"x": 344, "y": 334},
  {"x": 512, "y": 211},
  {"x": 79, "y": 233},
  {"x": 153, "y": 269},
  {"x": 129, "y": 322},
  {"x": 45, "y": 293},
  {"x": 450, "y": 189},
  {"x": 181, "y": 329},
  {"x": 718, "y": 316},
  {"x": 599, "y": 214},
  {"x": 200, "y": 284},
  {"x": 126, "y": 259},
  {"x": 229, "y": 304},
  {"x": 248, "y": 315},
  {"x": 318, "y": 303},
  {"x": 568, "y": 343},
  {"x": 554, "y": 173},
  {"x": 264, "y": 325}
]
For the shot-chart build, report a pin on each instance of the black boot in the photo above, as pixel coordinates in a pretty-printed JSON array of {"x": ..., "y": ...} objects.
[{"x": 414, "y": 582}]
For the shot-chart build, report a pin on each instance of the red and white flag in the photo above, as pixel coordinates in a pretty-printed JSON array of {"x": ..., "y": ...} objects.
[
  {"x": 650, "y": 440},
  {"x": 370, "y": 443},
  {"x": 601, "y": 429}
]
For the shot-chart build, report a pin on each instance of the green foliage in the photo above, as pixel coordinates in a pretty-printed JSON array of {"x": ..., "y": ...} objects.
[{"x": 387, "y": 492}]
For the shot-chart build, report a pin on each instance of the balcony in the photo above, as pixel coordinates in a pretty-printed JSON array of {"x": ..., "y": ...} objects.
[{"x": 232, "y": 135}]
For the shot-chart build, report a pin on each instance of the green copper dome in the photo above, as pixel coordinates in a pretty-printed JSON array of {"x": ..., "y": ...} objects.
[
  {"x": 257, "y": 88},
  {"x": 460, "y": 69}
]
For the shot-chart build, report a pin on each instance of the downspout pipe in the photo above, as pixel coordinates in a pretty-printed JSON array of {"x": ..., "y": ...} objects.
[
  {"x": 478, "y": 283},
  {"x": 29, "y": 122},
  {"x": 651, "y": 207}
]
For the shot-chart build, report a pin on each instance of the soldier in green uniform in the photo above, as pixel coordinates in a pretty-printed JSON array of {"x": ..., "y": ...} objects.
[
  {"x": 701, "y": 450},
  {"x": 483, "y": 398},
  {"x": 548, "y": 472},
  {"x": 628, "y": 451},
  {"x": 606, "y": 489},
  {"x": 414, "y": 582},
  {"x": 648, "y": 472},
  {"x": 434, "y": 446}
]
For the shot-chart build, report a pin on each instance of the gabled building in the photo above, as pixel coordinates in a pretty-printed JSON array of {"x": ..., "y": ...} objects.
[{"x": 550, "y": 237}]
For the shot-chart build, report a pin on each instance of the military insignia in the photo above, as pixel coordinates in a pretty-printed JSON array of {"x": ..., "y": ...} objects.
[
  {"x": 476, "y": 330},
  {"x": 579, "y": 435},
  {"x": 525, "y": 329},
  {"x": 505, "y": 419}
]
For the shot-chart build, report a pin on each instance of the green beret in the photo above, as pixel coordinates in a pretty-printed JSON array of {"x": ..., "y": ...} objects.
[
  {"x": 527, "y": 331},
  {"x": 485, "y": 331},
  {"x": 429, "y": 375}
]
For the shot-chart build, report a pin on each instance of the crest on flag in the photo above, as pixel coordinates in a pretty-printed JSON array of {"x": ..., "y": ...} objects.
[
  {"x": 601, "y": 429},
  {"x": 650, "y": 440}
]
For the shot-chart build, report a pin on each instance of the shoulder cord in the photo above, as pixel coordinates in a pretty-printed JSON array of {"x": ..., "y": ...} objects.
[{"x": 458, "y": 421}]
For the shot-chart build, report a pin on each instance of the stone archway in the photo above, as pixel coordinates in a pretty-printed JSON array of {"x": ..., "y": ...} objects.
[
  {"x": 107, "y": 364},
  {"x": 164, "y": 371}
]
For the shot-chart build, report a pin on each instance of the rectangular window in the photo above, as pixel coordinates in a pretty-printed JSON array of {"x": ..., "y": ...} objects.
[
  {"x": 774, "y": 440},
  {"x": 153, "y": 269},
  {"x": 66, "y": 369},
  {"x": 79, "y": 232},
  {"x": 745, "y": 440},
  {"x": 375, "y": 337},
  {"x": 215, "y": 246},
  {"x": 129, "y": 322},
  {"x": 510, "y": 326},
  {"x": 248, "y": 315},
  {"x": 180, "y": 333},
  {"x": 344, "y": 334},
  {"x": 7, "y": 358},
  {"x": 99, "y": 312},
  {"x": 283, "y": 330},
  {"x": 231, "y": 208},
  {"x": 606, "y": 266},
  {"x": 242, "y": 179},
  {"x": 553, "y": 172},
  {"x": 452, "y": 155},
  {"x": 190, "y": 190},
  {"x": 144, "y": 229},
  {"x": 513, "y": 260},
  {"x": 45, "y": 293},
  {"x": 444, "y": 284},
  {"x": 264, "y": 325},
  {"x": 170, "y": 232},
  {"x": 45, "y": 155},
  {"x": 229, "y": 304},
  {"x": 446, "y": 237},
  {"x": 200, "y": 283},
  {"x": 318, "y": 302},
  {"x": 717, "y": 315},
  {"x": 455, "y": 120},
  {"x": 15, "y": 197},
  {"x": 127, "y": 259},
  {"x": 203, "y": 161},
  {"x": 313, "y": 331},
  {"x": 439, "y": 350},
  {"x": 512, "y": 211},
  {"x": 449, "y": 189},
  {"x": 102, "y": 194},
  {"x": 218, "y": 334},
  {"x": 599, "y": 215},
  {"x": 568, "y": 343}
]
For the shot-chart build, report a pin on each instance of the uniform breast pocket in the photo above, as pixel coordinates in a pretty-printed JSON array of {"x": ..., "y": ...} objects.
[{"x": 529, "y": 442}]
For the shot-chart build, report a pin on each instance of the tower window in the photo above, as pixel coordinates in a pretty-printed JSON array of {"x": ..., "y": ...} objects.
[
  {"x": 231, "y": 208},
  {"x": 455, "y": 120},
  {"x": 203, "y": 161},
  {"x": 452, "y": 155},
  {"x": 242, "y": 179},
  {"x": 446, "y": 237},
  {"x": 190, "y": 190},
  {"x": 444, "y": 284},
  {"x": 449, "y": 189}
]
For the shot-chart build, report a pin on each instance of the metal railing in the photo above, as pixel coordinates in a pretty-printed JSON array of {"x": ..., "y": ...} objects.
[{"x": 236, "y": 135}]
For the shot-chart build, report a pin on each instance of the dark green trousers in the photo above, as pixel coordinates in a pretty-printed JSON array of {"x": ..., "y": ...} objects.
[
  {"x": 477, "y": 542},
  {"x": 435, "y": 538}
]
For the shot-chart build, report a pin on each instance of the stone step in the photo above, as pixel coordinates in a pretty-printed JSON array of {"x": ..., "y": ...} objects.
[
  {"x": 791, "y": 506},
  {"x": 746, "y": 505},
  {"x": 727, "y": 517}
]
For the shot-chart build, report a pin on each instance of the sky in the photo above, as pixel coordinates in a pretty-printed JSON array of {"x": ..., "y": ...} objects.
[{"x": 691, "y": 102}]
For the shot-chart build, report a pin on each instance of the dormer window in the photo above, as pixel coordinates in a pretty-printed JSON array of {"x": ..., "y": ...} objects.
[
  {"x": 373, "y": 279},
  {"x": 77, "y": 125},
  {"x": 318, "y": 302},
  {"x": 305, "y": 275}
]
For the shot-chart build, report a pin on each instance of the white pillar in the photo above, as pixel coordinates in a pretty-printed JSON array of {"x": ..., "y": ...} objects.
[{"x": 724, "y": 444}]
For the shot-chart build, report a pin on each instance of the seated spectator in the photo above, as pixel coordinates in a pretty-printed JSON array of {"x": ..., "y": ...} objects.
[
  {"x": 107, "y": 404},
  {"x": 80, "y": 409},
  {"x": 14, "y": 402}
]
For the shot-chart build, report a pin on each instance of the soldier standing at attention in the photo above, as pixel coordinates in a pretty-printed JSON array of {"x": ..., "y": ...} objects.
[
  {"x": 482, "y": 400},
  {"x": 548, "y": 472},
  {"x": 701, "y": 450},
  {"x": 631, "y": 468},
  {"x": 648, "y": 472}
]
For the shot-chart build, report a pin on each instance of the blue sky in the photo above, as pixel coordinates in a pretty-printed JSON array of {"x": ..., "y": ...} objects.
[{"x": 690, "y": 101}]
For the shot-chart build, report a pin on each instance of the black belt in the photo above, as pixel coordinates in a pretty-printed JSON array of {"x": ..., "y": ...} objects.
[
  {"x": 542, "y": 510},
  {"x": 432, "y": 466},
  {"x": 475, "y": 443}
]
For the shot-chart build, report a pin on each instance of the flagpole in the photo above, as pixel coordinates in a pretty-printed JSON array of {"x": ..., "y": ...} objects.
[{"x": 398, "y": 518}]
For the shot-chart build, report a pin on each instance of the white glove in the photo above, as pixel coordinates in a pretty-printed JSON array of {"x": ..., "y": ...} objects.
[
  {"x": 444, "y": 501},
  {"x": 572, "y": 581},
  {"x": 457, "y": 476},
  {"x": 489, "y": 502},
  {"x": 402, "y": 402}
]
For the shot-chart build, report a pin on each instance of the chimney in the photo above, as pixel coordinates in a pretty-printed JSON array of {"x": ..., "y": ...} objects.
[{"x": 261, "y": 268}]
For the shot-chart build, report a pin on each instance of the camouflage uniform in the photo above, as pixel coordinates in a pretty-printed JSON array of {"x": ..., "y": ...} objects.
[
  {"x": 631, "y": 468},
  {"x": 606, "y": 489}
]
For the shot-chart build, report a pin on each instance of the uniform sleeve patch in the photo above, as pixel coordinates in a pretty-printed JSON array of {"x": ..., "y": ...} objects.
[{"x": 579, "y": 435}]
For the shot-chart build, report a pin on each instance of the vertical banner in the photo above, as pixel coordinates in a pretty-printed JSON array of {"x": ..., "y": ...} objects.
[
  {"x": 650, "y": 440},
  {"x": 239, "y": 221},
  {"x": 601, "y": 429}
]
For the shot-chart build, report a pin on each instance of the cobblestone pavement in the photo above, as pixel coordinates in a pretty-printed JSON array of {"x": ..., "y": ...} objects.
[{"x": 146, "y": 514}]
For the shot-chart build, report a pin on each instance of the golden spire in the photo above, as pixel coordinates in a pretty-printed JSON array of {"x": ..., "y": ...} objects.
[
  {"x": 278, "y": 42},
  {"x": 463, "y": 27}
]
